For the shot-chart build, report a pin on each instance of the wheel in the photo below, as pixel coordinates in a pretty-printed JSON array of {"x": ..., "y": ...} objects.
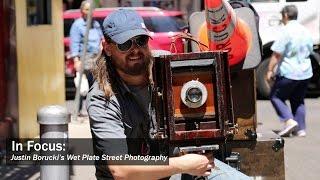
[
  {"x": 263, "y": 86},
  {"x": 314, "y": 85}
]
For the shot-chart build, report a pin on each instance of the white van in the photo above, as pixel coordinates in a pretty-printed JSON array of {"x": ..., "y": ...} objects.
[
  {"x": 270, "y": 29},
  {"x": 269, "y": 12}
]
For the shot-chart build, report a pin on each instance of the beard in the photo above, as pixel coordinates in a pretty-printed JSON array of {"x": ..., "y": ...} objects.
[{"x": 137, "y": 68}]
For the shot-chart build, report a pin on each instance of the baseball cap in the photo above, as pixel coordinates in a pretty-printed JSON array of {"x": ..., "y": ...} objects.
[{"x": 124, "y": 24}]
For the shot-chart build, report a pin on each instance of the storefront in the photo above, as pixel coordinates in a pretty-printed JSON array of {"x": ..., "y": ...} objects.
[{"x": 31, "y": 63}]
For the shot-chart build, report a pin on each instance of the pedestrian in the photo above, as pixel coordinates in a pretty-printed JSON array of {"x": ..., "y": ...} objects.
[
  {"x": 77, "y": 34},
  {"x": 291, "y": 54},
  {"x": 119, "y": 106}
]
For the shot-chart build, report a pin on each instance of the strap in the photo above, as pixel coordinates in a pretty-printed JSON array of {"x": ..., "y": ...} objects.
[{"x": 186, "y": 36}]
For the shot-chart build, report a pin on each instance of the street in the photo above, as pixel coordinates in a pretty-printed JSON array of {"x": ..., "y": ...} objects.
[{"x": 301, "y": 154}]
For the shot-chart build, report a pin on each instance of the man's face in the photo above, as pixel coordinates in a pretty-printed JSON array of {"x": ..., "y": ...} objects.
[
  {"x": 85, "y": 10},
  {"x": 133, "y": 61},
  {"x": 284, "y": 19}
]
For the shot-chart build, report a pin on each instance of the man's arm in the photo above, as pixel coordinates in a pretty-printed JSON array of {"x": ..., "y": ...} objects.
[
  {"x": 75, "y": 39},
  {"x": 278, "y": 48},
  {"x": 274, "y": 60},
  {"x": 193, "y": 164},
  {"x": 106, "y": 124},
  {"x": 77, "y": 63}
]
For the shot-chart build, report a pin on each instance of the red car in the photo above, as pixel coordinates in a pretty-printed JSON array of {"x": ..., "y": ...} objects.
[{"x": 162, "y": 24}]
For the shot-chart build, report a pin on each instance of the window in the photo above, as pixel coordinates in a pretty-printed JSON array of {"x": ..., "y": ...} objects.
[
  {"x": 67, "y": 26},
  {"x": 163, "y": 4},
  {"x": 165, "y": 24},
  {"x": 264, "y": 1},
  {"x": 295, "y": 0},
  {"x": 38, "y": 12}
]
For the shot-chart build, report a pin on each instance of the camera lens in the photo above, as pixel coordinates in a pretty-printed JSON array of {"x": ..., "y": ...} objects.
[{"x": 194, "y": 94}]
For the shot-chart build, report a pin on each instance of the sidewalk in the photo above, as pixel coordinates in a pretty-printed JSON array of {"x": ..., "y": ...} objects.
[{"x": 81, "y": 129}]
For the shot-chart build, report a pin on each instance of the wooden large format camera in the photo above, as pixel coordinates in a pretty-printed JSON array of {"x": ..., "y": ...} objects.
[
  {"x": 203, "y": 104},
  {"x": 194, "y": 102}
]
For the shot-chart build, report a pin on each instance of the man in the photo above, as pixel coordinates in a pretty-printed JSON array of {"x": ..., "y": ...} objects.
[
  {"x": 77, "y": 34},
  {"x": 119, "y": 106},
  {"x": 291, "y": 54}
]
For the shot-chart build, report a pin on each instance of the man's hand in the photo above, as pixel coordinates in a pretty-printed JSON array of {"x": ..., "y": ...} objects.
[
  {"x": 195, "y": 164},
  {"x": 274, "y": 60},
  {"x": 269, "y": 76},
  {"x": 77, "y": 63}
]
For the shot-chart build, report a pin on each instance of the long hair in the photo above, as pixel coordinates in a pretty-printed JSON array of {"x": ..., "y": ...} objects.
[
  {"x": 105, "y": 74},
  {"x": 102, "y": 75}
]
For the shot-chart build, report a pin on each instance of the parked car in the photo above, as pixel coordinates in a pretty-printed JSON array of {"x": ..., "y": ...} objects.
[
  {"x": 162, "y": 25},
  {"x": 270, "y": 29}
]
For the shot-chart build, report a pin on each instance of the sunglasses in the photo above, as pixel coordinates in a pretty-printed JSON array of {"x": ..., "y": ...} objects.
[{"x": 140, "y": 41}]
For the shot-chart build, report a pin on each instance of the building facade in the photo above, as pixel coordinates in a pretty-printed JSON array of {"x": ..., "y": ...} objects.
[{"x": 31, "y": 63}]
